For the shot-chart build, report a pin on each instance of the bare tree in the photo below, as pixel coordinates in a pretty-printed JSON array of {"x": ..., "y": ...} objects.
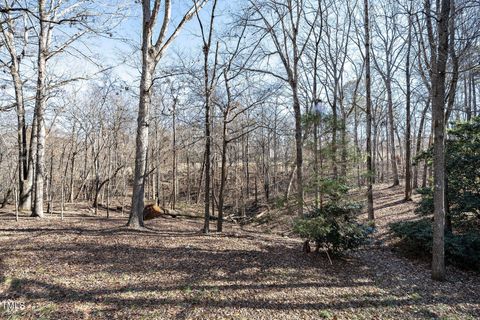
[
  {"x": 15, "y": 35},
  {"x": 209, "y": 80},
  {"x": 152, "y": 52},
  {"x": 283, "y": 23},
  {"x": 391, "y": 46}
]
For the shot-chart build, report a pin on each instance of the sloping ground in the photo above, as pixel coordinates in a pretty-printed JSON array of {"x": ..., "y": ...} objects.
[{"x": 87, "y": 267}]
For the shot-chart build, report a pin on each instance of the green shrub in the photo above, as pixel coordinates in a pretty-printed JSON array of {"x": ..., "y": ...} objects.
[
  {"x": 425, "y": 206},
  {"x": 462, "y": 250},
  {"x": 462, "y": 167},
  {"x": 416, "y": 234},
  {"x": 333, "y": 227}
]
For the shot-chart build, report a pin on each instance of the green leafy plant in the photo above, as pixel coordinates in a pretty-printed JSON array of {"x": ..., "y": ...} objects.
[{"x": 333, "y": 227}]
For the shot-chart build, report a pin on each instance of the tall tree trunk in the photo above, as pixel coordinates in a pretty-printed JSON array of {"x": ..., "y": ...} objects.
[
  {"x": 152, "y": 52},
  {"x": 391, "y": 134},
  {"x": 206, "y": 225},
  {"x": 72, "y": 164},
  {"x": 174, "y": 160},
  {"x": 455, "y": 66},
  {"x": 223, "y": 177},
  {"x": 200, "y": 180},
  {"x": 109, "y": 173},
  {"x": 474, "y": 95},
  {"x": 298, "y": 146},
  {"x": 408, "y": 147},
  {"x": 208, "y": 88},
  {"x": 438, "y": 119},
  {"x": 357, "y": 146},
  {"x": 136, "y": 214},
  {"x": 467, "y": 97},
  {"x": 189, "y": 188},
  {"x": 25, "y": 185},
  {"x": 50, "y": 186},
  {"x": 370, "y": 173},
  {"x": 419, "y": 141},
  {"x": 334, "y": 139},
  {"x": 343, "y": 137},
  {"x": 374, "y": 153},
  {"x": 315, "y": 165},
  {"x": 32, "y": 158},
  {"x": 40, "y": 102},
  {"x": 275, "y": 156}
]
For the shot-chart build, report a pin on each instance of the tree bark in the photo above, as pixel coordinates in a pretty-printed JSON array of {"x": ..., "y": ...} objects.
[
  {"x": 408, "y": 169},
  {"x": 419, "y": 141},
  {"x": 136, "y": 216},
  {"x": 438, "y": 119},
  {"x": 40, "y": 102},
  {"x": 391, "y": 134},
  {"x": 298, "y": 146},
  {"x": 371, "y": 215},
  {"x": 152, "y": 52}
]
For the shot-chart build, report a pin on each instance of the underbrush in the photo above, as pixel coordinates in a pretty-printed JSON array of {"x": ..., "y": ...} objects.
[{"x": 461, "y": 249}]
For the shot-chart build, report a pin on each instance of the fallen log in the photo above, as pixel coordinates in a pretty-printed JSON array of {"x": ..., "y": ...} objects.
[{"x": 153, "y": 211}]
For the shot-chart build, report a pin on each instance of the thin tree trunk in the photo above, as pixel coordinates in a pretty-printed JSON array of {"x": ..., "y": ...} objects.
[
  {"x": 419, "y": 141},
  {"x": 393, "y": 155},
  {"x": 32, "y": 156},
  {"x": 174, "y": 160},
  {"x": 467, "y": 97},
  {"x": 206, "y": 226},
  {"x": 408, "y": 170},
  {"x": 50, "y": 187},
  {"x": 200, "y": 180},
  {"x": 223, "y": 176},
  {"x": 343, "y": 137},
  {"x": 334, "y": 135},
  {"x": 357, "y": 146},
  {"x": 474, "y": 95}
]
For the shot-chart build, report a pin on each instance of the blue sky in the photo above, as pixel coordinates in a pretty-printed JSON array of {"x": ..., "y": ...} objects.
[{"x": 188, "y": 42}]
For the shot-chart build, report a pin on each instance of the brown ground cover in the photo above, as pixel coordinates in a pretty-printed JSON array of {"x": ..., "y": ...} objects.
[{"x": 88, "y": 267}]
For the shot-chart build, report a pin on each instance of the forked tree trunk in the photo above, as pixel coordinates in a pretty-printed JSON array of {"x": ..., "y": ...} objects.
[
  {"x": 152, "y": 52},
  {"x": 24, "y": 183}
]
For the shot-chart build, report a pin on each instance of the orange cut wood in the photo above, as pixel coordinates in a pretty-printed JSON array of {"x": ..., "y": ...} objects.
[{"x": 152, "y": 211}]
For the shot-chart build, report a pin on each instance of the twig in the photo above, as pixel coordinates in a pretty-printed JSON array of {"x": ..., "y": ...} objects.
[{"x": 328, "y": 255}]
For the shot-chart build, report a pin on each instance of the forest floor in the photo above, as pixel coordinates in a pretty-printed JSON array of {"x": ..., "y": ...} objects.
[{"x": 88, "y": 267}]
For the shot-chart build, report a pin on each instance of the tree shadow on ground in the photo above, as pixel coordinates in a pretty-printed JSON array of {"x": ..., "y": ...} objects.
[
  {"x": 203, "y": 265},
  {"x": 390, "y": 204}
]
